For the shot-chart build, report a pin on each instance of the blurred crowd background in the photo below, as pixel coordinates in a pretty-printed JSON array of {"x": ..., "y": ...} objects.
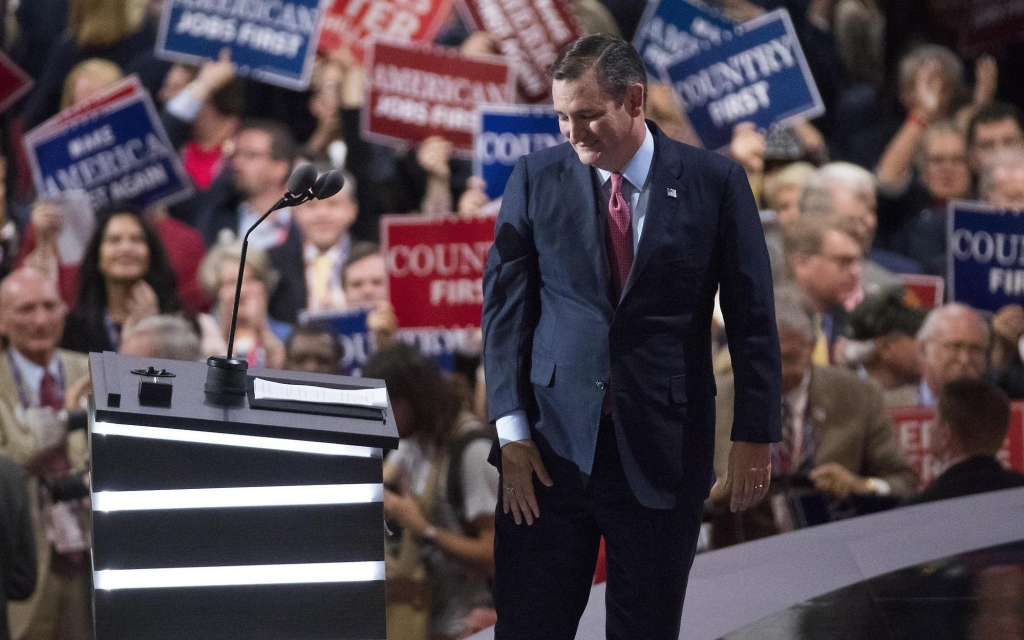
[{"x": 852, "y": 203}]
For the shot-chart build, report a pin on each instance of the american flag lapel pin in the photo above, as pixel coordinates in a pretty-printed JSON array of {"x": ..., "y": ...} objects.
[{"x": 672, "y": 193}]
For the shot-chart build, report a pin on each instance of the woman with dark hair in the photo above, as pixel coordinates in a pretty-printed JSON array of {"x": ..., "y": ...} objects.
[
  {"x": 439, "y": 488},
  {"x": 125, "y": 277}
]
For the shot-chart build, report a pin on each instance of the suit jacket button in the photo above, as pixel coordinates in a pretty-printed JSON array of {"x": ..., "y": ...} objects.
[{"x": 601, "y": 385}]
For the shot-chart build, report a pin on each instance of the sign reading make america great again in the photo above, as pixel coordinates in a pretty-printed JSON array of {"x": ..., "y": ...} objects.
[
  {"x": 417, "y": 91},
  {"x": 759, "y": 76},
  {"x": 351, "y": 23},
  {"x": 530, "y": 33},
  {"x": 273, "y": 41}
]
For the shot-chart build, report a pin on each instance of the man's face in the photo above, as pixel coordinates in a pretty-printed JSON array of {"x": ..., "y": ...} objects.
[
  {"x": 324, "y": 222},
  {"x": 860, "y": 207},
  {"x": 603, "y": 134},
  {"x": 255, "y": 171},
  {"x": 946, "y": 174},
  {"x": 991, "y": 137},
  {"x": 898, "y": 353},
  {"x": 312, "y": 354},
  {"x": 31, "y": 315},
  {"x": 786, "y": 203},
  {"x": 830, "y": 277},
  {"x": 796, "y": 358},
  {"x": 366, "y": 282},
  {"x": 1008, "y": 187},
  {"x": 959, "y": 349}
]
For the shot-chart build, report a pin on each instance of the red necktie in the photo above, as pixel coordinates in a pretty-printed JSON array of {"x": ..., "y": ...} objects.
[
  {"x": 620, "y": 237},
  {"x": 48, "y": 396}
]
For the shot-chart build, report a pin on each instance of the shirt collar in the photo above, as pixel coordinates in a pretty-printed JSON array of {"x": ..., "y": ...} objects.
[
  {"x": 32, "y": 372},
  {"x": 927, "y": 397},
  {"x": 639, "y": 167},
  {"x": 797, "y": 398},
  {"x": 339, "y": 250}
]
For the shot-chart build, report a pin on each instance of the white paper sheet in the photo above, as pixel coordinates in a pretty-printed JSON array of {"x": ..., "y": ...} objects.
[{"x": 268, "y": 390}]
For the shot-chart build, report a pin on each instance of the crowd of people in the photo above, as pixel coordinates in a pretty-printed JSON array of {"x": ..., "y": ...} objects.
[{"x": 851, "y": 203}]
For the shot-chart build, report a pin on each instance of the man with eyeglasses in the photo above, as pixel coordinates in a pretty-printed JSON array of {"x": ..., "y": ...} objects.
[
  {"x": 825, "y": 257},
  {"x": 952, "y": 343}
]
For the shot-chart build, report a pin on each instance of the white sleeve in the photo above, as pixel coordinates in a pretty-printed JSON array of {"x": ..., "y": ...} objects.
[{"x": 512, "y": 426}]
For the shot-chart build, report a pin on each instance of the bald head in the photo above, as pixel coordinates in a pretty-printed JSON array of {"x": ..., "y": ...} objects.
[
  {"x": 952, "y": 343},
  {"x": 31, "y": 314}
]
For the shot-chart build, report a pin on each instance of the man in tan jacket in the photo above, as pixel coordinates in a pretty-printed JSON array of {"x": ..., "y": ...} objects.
[
  {"x": 834, "y": 431},
  {"x": 41, "y": 389}
]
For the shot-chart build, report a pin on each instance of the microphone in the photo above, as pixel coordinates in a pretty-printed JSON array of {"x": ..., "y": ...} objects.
[
  {"x": 225, "y": 375},
  {"x": 328, "y": 184}
]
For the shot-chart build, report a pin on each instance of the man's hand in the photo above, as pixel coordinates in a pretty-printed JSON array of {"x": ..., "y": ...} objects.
[
  {"x": 750, "y": 474},
  {"x": 839, "y": 481},
  {"x": 1008, "y": 323},
  {"x": 48, "y": 220},
  {"x": 519, "y": 461}
]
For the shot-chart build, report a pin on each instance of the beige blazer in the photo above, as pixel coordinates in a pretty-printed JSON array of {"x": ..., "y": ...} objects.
[{"x": 18, "y": 444}]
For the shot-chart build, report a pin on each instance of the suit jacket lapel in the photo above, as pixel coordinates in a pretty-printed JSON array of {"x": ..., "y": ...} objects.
[
  {"x": 666, "y": 169},
  {"x": 581, "y": 205}
]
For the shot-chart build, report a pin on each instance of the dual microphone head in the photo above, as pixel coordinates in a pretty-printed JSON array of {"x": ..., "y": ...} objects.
[{"x": 304, "y": 184}]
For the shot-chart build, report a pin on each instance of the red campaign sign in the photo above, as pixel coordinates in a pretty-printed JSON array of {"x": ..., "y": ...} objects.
[
  {"x": 988, "y": 25},
  {"x": 922, "y": 292},
  {"x": 14, "y": 83},
  {"x": 435, "y": 268},
  {"x": 416, "y": 91},
  {"x": 912, "y": 428},
  {"x": 352, "y": 23},
  {"x": 529, "y": 33}
]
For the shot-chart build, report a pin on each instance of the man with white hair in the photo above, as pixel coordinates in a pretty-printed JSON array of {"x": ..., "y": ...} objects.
[
  {"x": 952, "y": 343},
  {"x": 1001, "y": 182},
  {"x": 846, "y": 190},
  {"x": 163, "y": 336}
]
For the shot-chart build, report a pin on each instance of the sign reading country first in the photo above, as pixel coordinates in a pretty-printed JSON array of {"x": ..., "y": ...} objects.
[
  {"x": 273, "y": 41},
  {"x": 986, "y": 255},
  {"x": 117, "y": 152},
  {"x": 760, "y": 75},
  {"x": 507, "y": 133}
]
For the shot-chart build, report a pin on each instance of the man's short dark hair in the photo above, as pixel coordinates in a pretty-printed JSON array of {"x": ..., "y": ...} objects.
[
  {"x": 358, "y": 251},
  {"x": 229, "y": 100},
  {"x": 978, "y": 412},
  {"x": 316, "y": 328},
  {"x": 616, "y": 63},
  {"x": 282, "y": 142},
  {"x": 994, "y": 112}
]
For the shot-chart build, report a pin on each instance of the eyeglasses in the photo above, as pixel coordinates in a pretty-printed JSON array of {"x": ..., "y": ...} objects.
[
  {"x": 841, "y": 261},
  {"x": 972, "y": 349},
  {"x": 958, "y": 158},
  {"x": 245, "y": 154}
]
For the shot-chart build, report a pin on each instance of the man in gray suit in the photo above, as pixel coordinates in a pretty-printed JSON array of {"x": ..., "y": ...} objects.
[{"x": 17, "y": 544}]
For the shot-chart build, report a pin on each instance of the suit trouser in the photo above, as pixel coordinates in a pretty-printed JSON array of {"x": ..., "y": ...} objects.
[{"x": 544, "y": 572}]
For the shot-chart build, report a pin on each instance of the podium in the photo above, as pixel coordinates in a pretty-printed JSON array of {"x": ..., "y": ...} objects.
[{"x": 260, "y": 520}]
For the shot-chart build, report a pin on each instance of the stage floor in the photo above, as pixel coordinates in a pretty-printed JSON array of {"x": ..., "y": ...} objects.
[{"x": 972, "y": 596}]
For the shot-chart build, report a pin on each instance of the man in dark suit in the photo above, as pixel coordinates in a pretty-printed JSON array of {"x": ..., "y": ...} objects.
[
  {"x": 971, "y": 425},
  {"x": 17, "y": 541},
  {"x": 598, "y": 296}
]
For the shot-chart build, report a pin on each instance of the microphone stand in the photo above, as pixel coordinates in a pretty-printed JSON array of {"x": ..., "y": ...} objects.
[{"x": 225, "y": 375}]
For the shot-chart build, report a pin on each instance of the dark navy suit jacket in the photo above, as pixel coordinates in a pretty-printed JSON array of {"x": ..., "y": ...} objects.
[{"x": 554, "y": 338}]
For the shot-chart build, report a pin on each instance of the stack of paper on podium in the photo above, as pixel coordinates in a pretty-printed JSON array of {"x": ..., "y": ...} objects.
[{"x": 261, "y": 520}]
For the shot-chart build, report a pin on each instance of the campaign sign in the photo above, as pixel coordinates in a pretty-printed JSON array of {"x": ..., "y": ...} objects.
[
  {"x": 357, "y": 342},
  {"x": 985, "y": 256},
  {"x": 117, "y": 153},
  {"x": 760, "y": 75},
  {"x": 529, "y": 33},
  {"x": 416, "y": 91},
  {"x": 435, "y": 268},
  {"x": 671, "y": 30},
  {"x": 921, "y": 291},
  {"x": 912, "y": 430},
  {"x": 351, "y": 23},
  {"x": 273, "y": 41},
  {"x": 14, "y": 83},
  {"x": 505, "y": 134}
]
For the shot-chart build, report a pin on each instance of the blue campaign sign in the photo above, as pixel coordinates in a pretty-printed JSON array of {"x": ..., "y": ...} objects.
[
  {"x": 985, "y": 255},
  {"x": 504, "y": 134},
  {"x": 271, "y": 40},
  {"x": 671, "y": 30},
  {"x": 760, "y": 75},
  {"x": 356, "y": 340},
  {"x": 118, "y": 154}
]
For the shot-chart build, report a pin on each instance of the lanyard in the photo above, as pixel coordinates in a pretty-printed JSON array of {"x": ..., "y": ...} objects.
[{"x": 19, "y": 382}]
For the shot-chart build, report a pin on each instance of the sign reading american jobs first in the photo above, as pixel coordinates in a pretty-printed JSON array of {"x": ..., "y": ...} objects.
[
  {"x": 985, "y": 255},
  {"x": 416, "y": 91},
  {"x": 273, "y": 41},
  {"x": 760, "y": 75},
  {"x": 435, "y": 268}
]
